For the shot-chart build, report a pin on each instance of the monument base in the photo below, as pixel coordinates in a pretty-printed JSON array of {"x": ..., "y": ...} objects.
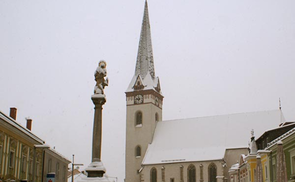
[
  {"x": 95, "y": 173},
  {"x": 95, "y": 169}
]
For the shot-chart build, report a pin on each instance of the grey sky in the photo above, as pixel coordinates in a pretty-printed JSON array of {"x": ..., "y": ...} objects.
[{"x": 213, "y": 57}]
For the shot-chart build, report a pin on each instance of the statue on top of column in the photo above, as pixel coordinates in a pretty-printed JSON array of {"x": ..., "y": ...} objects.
[{"x": 99, "y": 76}]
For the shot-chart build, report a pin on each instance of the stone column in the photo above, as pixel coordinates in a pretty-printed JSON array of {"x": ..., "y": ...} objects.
[
  {"x": 96, "y": 168},
  {"x": 97, "y": 127}
]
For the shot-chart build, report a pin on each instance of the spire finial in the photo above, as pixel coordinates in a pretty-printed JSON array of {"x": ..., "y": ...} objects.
[
  {"x": 145, "y": 60},
  {"x": 280, "y": 106}
]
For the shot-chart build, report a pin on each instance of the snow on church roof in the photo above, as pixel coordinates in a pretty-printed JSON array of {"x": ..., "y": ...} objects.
[
  {"x": 206, "y": 138},
  {"x": 148, "y": 82}
]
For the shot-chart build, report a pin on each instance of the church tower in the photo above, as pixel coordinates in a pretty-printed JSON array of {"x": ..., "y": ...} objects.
[{"x": 144, "y": 104}]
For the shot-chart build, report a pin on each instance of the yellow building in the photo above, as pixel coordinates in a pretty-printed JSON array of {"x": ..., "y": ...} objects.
[{"x": 21, "y": 151}]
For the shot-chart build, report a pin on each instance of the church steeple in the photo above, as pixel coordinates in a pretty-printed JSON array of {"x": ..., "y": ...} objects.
[
  {"x": 145, "y": 60},
  {"x": 144, "y": 101},
  {"x": 144, "y": 77}
]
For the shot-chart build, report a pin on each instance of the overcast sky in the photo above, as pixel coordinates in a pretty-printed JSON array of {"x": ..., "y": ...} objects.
[{"x": 213, "y": 57}]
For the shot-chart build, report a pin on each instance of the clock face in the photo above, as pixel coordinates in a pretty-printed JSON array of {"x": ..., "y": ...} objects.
[{"x": 138, "y": 99}]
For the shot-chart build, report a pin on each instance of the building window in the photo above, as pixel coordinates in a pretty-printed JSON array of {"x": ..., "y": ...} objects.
[
  {"x": 171, "y": 179},
  {"x": 156, "y": 117},
  {"x": 266, "y": 173},
  {"x": 138, "y": 118},
  {"x": 153, "y": 175},
  {"x": 1, "y": 154},
  {"x": 138, "y": 151},
  {"x": 212, "y": 172},
  {"x": 49, "y": 166},
  {"x": 57, "y": 171},
  {"x": 292, "y": 159},
  {"x": 31, "y": 166},
  {"x": 11, "y": 159},
  {"x": 191, "y": 173},
  {"x": 274, "y": 169},
  {"x": 64, "y": 173},
  {"x": 37, "y": 171},
  {"x": 24, "y": 163}
]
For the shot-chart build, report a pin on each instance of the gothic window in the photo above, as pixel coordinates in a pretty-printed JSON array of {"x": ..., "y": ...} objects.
[
  {"x": 156, "y": 117},
  {"x": 181, "y": 173},
  {"x": 138, "y": 151},
  {"x": 191, "y": 173},
  {"x": 138, "y": 118},
  {"x": 212, "y": 172},
  {"x": 153, "y": 175}
]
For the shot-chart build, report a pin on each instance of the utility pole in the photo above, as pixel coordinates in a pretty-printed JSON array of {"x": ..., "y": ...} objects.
[{"x": 73, "y": 166}]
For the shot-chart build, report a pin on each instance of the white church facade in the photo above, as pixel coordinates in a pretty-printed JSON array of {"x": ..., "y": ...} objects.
[{"x": 198, "y": 149}]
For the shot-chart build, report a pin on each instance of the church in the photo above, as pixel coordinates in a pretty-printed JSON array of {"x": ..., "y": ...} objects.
[{"x": 200, "y": 149}]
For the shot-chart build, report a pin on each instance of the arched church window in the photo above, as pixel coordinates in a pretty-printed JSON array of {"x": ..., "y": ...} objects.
[
  {"x": 138, "y": 151},
  {"x": 153, "y": 175},
  {"x": 156, "y": 117},
  {"x": 191, "y": 173},
  {"x": 212, "y": 172},
  {"x": 138, "y": 118}
]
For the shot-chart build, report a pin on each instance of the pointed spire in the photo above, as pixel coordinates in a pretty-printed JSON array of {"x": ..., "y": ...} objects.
[{"x": 145, "y": 60}]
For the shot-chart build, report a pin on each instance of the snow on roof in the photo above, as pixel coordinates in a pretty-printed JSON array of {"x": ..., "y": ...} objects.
[
  {"x": 13, "y": 123},
  {"x": 206, "y": 138},
  {"x": 148, "y": 82},
  {"x": 279, "y": 127},
  {"x": 234, "y": 167},
  {"x": 282, "y": 137}
]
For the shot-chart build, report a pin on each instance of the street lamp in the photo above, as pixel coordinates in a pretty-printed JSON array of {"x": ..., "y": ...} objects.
[{"x": 44, "y": 146}]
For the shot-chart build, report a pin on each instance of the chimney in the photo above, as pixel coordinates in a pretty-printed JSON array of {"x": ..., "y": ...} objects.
[
  {"x": 13, "y": 112},
  {"x": 29, "y": 124}
]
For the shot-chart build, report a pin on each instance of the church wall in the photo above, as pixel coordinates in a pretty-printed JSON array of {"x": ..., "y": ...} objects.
[
  {"x": 231, "y": 157},
  {"x": 179, "y": 171}
]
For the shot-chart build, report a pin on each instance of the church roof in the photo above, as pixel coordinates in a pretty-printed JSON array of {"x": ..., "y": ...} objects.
[{"x": 206, "y": 138}]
